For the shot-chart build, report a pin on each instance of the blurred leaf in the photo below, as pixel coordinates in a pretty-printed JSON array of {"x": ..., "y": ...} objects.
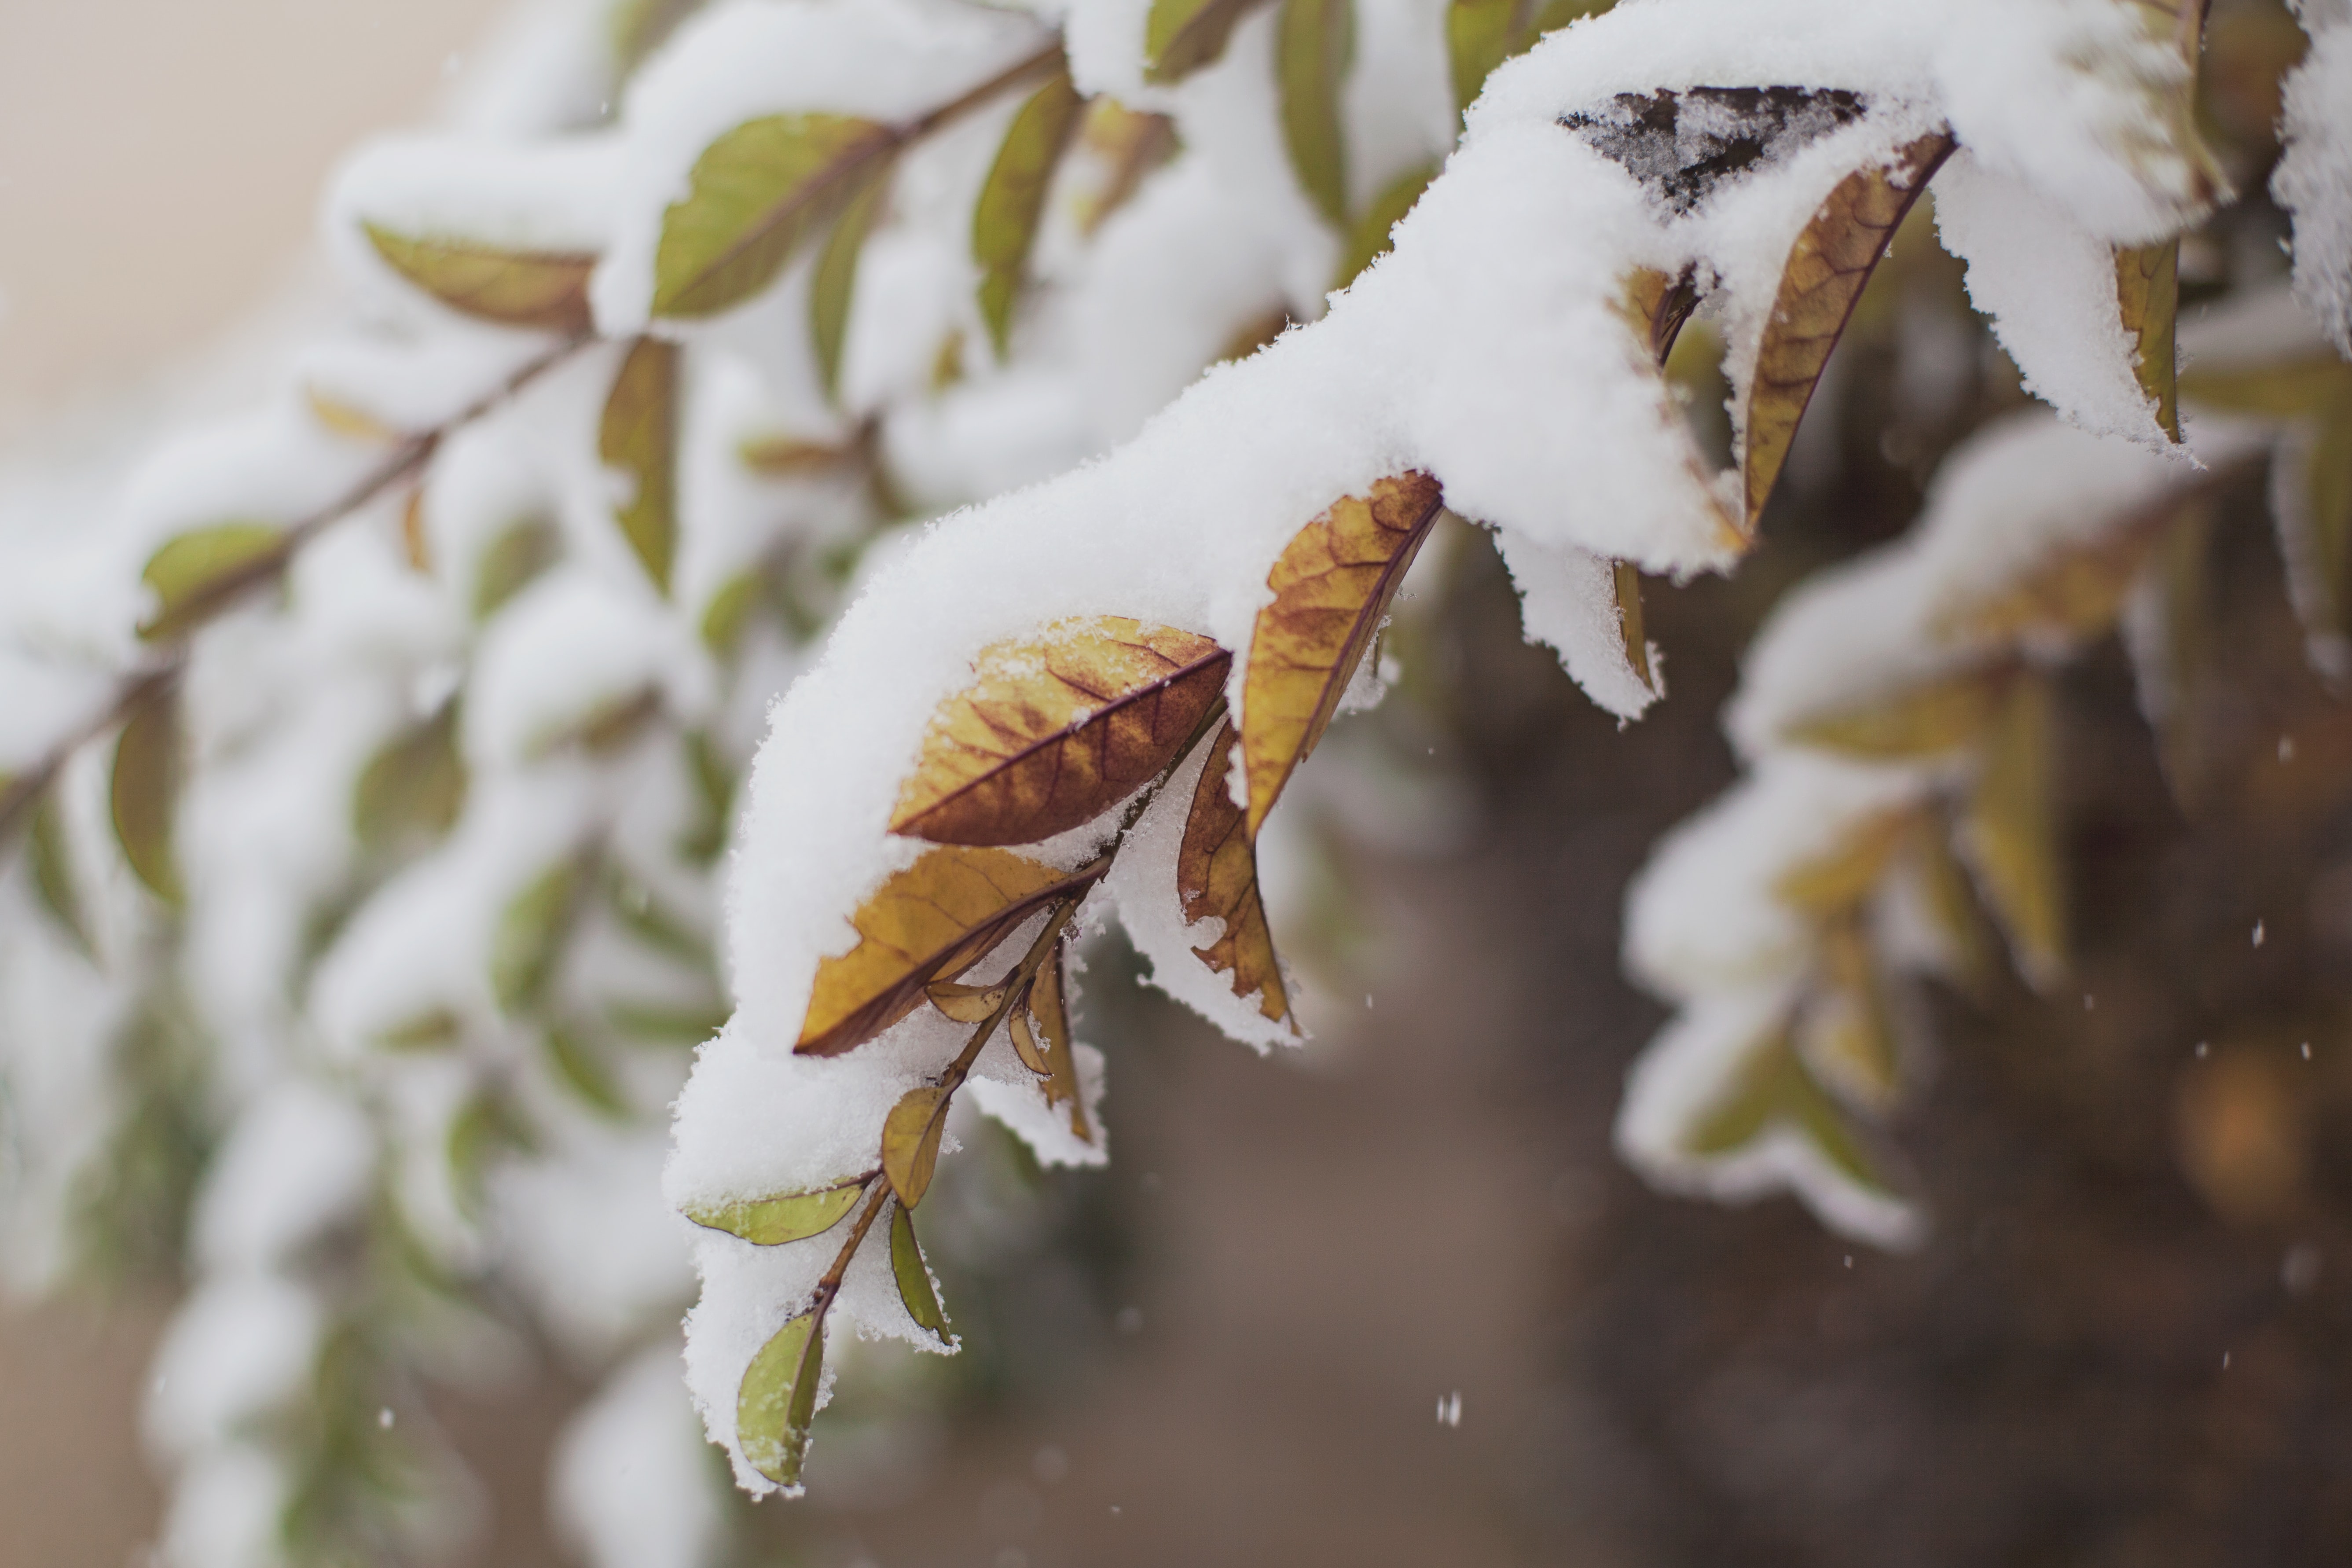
[
  {"x": 1012, "y": 205},
  {"x": 641, "y": 27},
  {"x": 436, "y": 1030},
  {"x": 788, "y": 1216},
  {"x": 714, "y": 788},
  {"x": 2311, "y": 494},
  {"x": 756, "y": 194},
  {"x": 638, "y": 434},
  {"x": 413, "y": 788},
  {"x": 51, "y": 856},
  {"x": 1216, "y": 878},
  {"x": 353, "y": 423},
  {"x": 731, "y": 610},
  {"x": 1845, "y": 1034},
  {"x": 580, "y": 1068},
  {"x": 833, "y": 286},
  {"x": 1480, "y": 35},
  {"x": 1944, "y": 886},
  {"x": 1367, "y": 240},
  {"x": 1131, "y": 144},
  {"x": 1937, "y": 715},
  {"x": 667, "y": 1024},
  {"x": 792, "y": 457},
  {"x": 1833, "y": 883},
  {"x": 1049, "y": 1004},
  {"x": 195, "y": 576},
  {"x": 2073, "y": 595},
  {"x": 148, "y": 770},
  {"x": 2012, "y": 831},
  {"x": 1554, "y": 15},
  {"x": 2175, "y": 663},
  {"x": 651, "y": 921},
  {"x": 2283, "y": 390},
  {"x": 1331, "y": 587},
  {"x": 1180, "y": 37},
  {"x": 1773, "y": 1089},
  {"x": 485, "y": 1127},
  {"x": 612, "y": 726},
  {"x": 520, "y": 553},
  {"x": 1057, "y": 728},
  {"x": 914, "y": 1278},
  {"x": 910, "y": 1140},
  {"x": 2147, "y": 294},
  {"x": 1313, "y": 40},
  {"x": 415, "y": 544},
  {"x": 529, "y": 941},
  {"x": 546, "y": 290},
  {"x": 777, "y": 1400}
]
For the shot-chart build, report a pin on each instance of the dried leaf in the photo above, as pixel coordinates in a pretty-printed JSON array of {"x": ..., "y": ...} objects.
[
  {"x": 1682, "y": 144},
  {"x": 2012, "y": 831},
  {"x": 1656, "y": 306},
  {"x": 1056, "y": 729},
  {"x": 148, "y": 770},
  {"x": 51, "y": 860},
  {"x": 2148, "y": 295},
  {"x": 639, "y": 436},
  {"x": 1367, "y": 240},
  {"x": 910, "y": 1140},
  {"x": 777, "y": 1400},
  {"x": 197, "y": 575},
  {"x": 578, "y": 1066},
  {"x": 507, "y": 565},
  {"x": 914, "y": 1277},
  {"x": 546, "y": 290},
  {"x": 1331, "y": 587},
  {"x": 1927, "y": 719},
  {"x": 1216, "y": 876},
  {"x": 1312, "y": 42},
  {"x": 1012, "y": 205},
  {"x": 1131, "y": 144},
  {"x": 1180, "y": 37},
  {"x": 1049, "y": 1002},
  {"x": 932, "y": 921},
  {"x": 1833, "y": 884},
  {"x": 965, "y": 1004},
  {"x": 1625, "y": 579},
  {"x": 1824, "y": 274},
  {"x": 1025, "y": 1039},
  {"x": 529, "y": 936},
  {"x": 787, "y": 1216},
  {"x": 755, "y": 196},
  {"x": 1480, "y": 35},
  {"x": 833, "y": 286},
  {"x": 413, "y": 788}
]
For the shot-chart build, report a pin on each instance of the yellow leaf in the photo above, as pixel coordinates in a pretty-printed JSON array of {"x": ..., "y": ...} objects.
[
  {"x": 1312, "y": 42},
  {"x": 914, "y": 1278},
  {"x": 754, "y": 196},
  {"x": 788, "y": 1216},
  {"x": 1049, "y": 1004},
  {"x": 1130, "y": 144},
  {"x": 934, "y": 920},
  {"x": 1367, "y": 240},
  {"x": 148, "y": 769},
  {"x": 2012, "y": 831},
  {"x": 2286, "y": 390},
  {"x": 1936, "y": 716},
  {"x": 1833, "y": 883},
  {"x": 1180, "y": 37},
  {"x": 834, "y": 284},
  {"x": 414, "y": 787},
  {"x": 545, "y": 289},
  {"x": 200, "y": 573},
  {"x": 1216, "y": 875},
  {"x": 965, "y": 1004},
  {"x": 638, "y": 434},
  {"x": 2148, "y": 295},
  {"x": 777, "y": 1400},
  {"x": 341, "y": 418},
  {"x": 2075, "y": 594},
  {"x": 910, "y": 1140},
  {"x": 1012, "y": 205},
  {"x": 416, "y": 546},
  {"x": 1056, "y": 729},
  {"x": 1824, "y": 274},
  {"x": 1331, "y": 586}
]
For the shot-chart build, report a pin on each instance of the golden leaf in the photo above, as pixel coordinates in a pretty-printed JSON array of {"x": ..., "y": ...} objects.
[
  {"x": 787, "y": 1216},
  {"x": 777, "y": 1400},
  {"x": 914, "y": 1278},
  {"x": 1331, "y": 586},
  {"x": 2012, "y": 831},
  {"x": 934, "y": 920},
  {"x": 1056, "y": 729},
  {"x": 1935, "y": 716},
  {"x": 755, "y": 196},
  {"x": 910, "y": 1140},
  {"x": 1368, "y": 238},
  {"x": 1216, "y": 875},
  {"x": 148, "y": 769},
  {"x": 1824, "y": 274},
  {"x": 639, "y": 434},
  {"x": 833, "y": 286},
  {"x": 1180, "y": 37},
  {"x": 965, "y": 1004},
  {"x": 1312, "y": 42},
  {"x": 546, "y": 290},
  {"x": 2148, "y": 295},
  {"x": 199, "y": 573},
  {"x": 1049, "y": 1002},
  {"x": 1833, "y": 883},
  {"x": 1012, "y": 205}
]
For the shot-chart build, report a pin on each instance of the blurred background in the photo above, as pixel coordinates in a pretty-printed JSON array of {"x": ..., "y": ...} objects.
[{"x": 2128, "y": 1340}]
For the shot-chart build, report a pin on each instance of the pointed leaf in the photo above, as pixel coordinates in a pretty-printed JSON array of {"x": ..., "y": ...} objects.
[
  {"x": 148, "y": 770},
  {"x": 639, "y": 436},
  {"x": 529, "y": 936},
  {"x": 910, "y": 1140},
  {"x": 1331, "y": 587},
  {"x": 1049, "y": 1004},
  {"x": 545, "y": 289},
  {"x": 788, "y": 1216},
  {"x": 1367, "y": 240},
  {"x": 1012, "y": 205},
  {"x": 1927, "y": 719},
  {"x": 1180, "y": 37},
  {"x": 1025, "y": 1044},
  {"x": 965, "y": 1004},
  {"x": 2012, "y": 831},
  {"x": 195, "y": 576},
  {"x": 755, "y": 196},
  {"x": 776, "y": 1402},
  {"x": 932, "y": 921},
  {"x": 833, "y": 286},
  {"x": 415, "y": 787},
  {"x": 1823, "y": 279},
  {"x": 1056, "y": 729},
  {"x": 1130, "y": 144},
  {"x": 2148, "y": 295},
  {"x": 51, "y": 858},
  {"x": 1625, "y": 579},
  {"x": 914, "y": 1278},
  {"x": 1313, "y": 40},
  {"x": 1216, "y": 876}
]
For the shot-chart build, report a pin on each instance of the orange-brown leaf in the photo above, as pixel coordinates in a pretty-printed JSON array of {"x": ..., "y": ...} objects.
[
  {"x": 1216, "y": 874},
  {"x": 1056, "y": 729},
  {"x": 1331, "y": 586},
  {"x": 1826, "y": 269},
  {"x": 932, "y": 921},
  {"x": 1049, "y": 1002},
  {"x": 2147, "y": 298}
]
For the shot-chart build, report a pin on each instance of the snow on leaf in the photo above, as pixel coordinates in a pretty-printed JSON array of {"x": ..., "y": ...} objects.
[
  {"x": 1180, "y": 37},
  {"x": 777, "y": 1401},
  {"x": 639, "y": 434},
  {"x": 787, "y": 1216},
  {"x": 2075, "y": 594},
  {"x": 1056, "y": 729},
  {"x": 194, "y": 575},
  {"x": 914, "y": 1277},
  {"x": 149, "y": 767},
  {"x": 1926, "y": 719},
  {"x": 1331, "y": 585},
  {"x": 1012, "y": 205},
  {"x": 910, "y": 1140},
  {"x": 513, "y": 287},
  {"x": 2011, "y": 831},
  {"x": 2147, "y": 294},
  {"x": 1836, "y": 882},
  {"x": 1216, "y": 876},
  {"x": 833, "y": 286},
  {"x": 1130, "y": 144},
  {"x": 1682, "y": 146},
  {"x": 1313, "y": 40},
  {"x": 755, "y": 196}
]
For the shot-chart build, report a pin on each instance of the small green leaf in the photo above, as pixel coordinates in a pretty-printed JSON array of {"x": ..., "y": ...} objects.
[
  {"x": 53, "y": 873},
  {"x": 914, "y": 1278},
  {"x": 436, "y": 1030},
  {"x": 730, "y": 609},
  {"x": 646, "y": 917},
  {"x": 910, "y": 1140},
  {"x": 788, "y": 1216},
  {"x": 1180, "y": 37},
  {"x": 195, "y": 576},
  {"x": 1313, "y": 42},
  {"x": 714, "y": 786},
  {"x": 833, "y": 286},
  {"x": 638, "y": 434},
  {"x": 576, "y": 1063},
  {"x": 1012, "y": 205},
  {"x": 1368, "y": 239},
  {"x": 148, "y": 769},
  {"x": 529, "y": 936},
  {"x": 757, "y": 195},
  {"x": 546, "y": 290},
  {"x": 1480, "y": 35},
  {"x": 520, "y": 553},
  {"x": 413, "y": 788},
  {"x": 777, "y": 1401},
  {"x": 638, "y": 28},
  {"x": 667, "y": 1024}
]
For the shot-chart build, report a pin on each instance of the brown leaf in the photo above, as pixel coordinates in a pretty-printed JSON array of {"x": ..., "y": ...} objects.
[
  {"x": 1049, "y": 1002},
  {"x": 639, "y": 434},
  {"x": 513, "y": 287},
  {"x": 932, "y": 921},
  {"x": 1625, "y": 578},
  {"x": 1331, "y": 587},
  {"x": 2148, "y": 295},
  {"x": 2012, "y": 831},
  {"x": 1056, "y": 729},
  {"x": 910, "y": 1140},
  {"x": 1657, "y": 306},
  {"x": 1824, "y": 276},
  {"x": 1216, "y": 874},
  {"x": 1923, "y": 721}
]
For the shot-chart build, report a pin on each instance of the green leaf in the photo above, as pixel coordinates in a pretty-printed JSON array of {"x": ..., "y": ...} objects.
[
  {"x": 1480, "y": 35},
  {"x": 148, "y": 769},
  {"x": 195, "y": 576},
  {"x": 576, "y": 1063},
  {"x": 833, "y": 285},
  {"x": 730, "y": 609},
  {"x": 413, "y": 788},
  {"x": 436, "y": 1030},
  {"x": 638, "y": 434},
  {"x": 484, "y": 1128},
  {"x": 788, "y": 1216},
  {"x": 646, "y": 918},
  {"x": 755, "y": 196},
  {"x": 777, "y": 1401},
  {"x": 667, "y": 1024},
  {"x": 638, "y": 28},
  {"x": 53, "y": 873},
  {"x": 545, "y": 289},
  {"x": 520, "y": 553},
  {"x": 1313, "y": 41},
  {"x": 1012, "y": 205},
  {"x": 1773, "y": 1089},
  {"x": 1368, "y": 239},
  {"x": 1180, "y": 37},
  {"x": 529, "y": 936},
  {"x": 714, "y": 784},
  {"x": 914, "y": 1278}
]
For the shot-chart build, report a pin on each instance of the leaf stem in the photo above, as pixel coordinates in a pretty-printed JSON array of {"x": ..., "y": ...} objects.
[{"x": 956, "y": 109}]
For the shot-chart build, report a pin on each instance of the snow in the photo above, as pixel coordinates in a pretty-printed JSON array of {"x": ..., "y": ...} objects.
[{"x": 2314, "y": 178}]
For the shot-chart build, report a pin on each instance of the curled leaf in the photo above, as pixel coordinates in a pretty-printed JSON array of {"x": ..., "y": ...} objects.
[
  {"x": 788, "y": 1216},
  {"x": 148, "y": 770},
  {"x": 776, "y": 1402},
  {"x": 755, "y": 196},
  {"x": 195, "y": 576},
  {"x": 934, "y": 920},
  {"x": 1657, "y": 305},
  {"x": 914, "y": 1277},
  {"x": 1331, "y": 587},
  {"x": 1927, "y": 719},
  {"x": 1216, "y": 876},
  {"x": 1012, "y": 205},
  {"x": 2148, "y": 295},
  {"x": 1180, "y": 37},
  {"x": 1049, "y": 1002},
  {"x": 1368, "y": 238},
  {"x": 546, "y": 290},
  {"x": 2012, "y": 831},
  {"x": 833, "y": 285},
  {"x": 1056, "y": 729},
  {"x": 638, "y": 434},
  {"x": 910, "y": 1140},
  {"x": 1312, "y": 42}
]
